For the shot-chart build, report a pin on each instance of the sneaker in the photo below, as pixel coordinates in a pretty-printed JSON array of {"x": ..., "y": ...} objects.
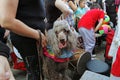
[
  {"x": 94, "y": 55},
  {"x": 93, "y": 58}
]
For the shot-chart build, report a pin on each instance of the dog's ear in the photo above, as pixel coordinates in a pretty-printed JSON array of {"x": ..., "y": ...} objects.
[
  {"x": 72, "y": 38},
  {"x": 52, "y": 41}
]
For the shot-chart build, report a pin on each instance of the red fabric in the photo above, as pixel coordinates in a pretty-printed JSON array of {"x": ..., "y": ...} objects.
[
  {"x": 109, "y": 36},
  {"x": 106, "y": 51},
  {"x": 116, "y": 8},
  {"x": 116, "y": 65},
  {"x": 19, "y": 66},
  {"x": 109, "y": 39},
  {"x": 16, "y": 64},
  {"x": 56, "y": 59},
  {"x": 13, "y": 56},
  {"x": 89, "y": 20},
  {"x": 117, "y": 2}
]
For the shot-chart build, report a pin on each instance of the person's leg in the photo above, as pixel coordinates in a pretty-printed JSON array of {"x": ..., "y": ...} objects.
[
  {"x": 32, "y": 68},
  {"x": 27, "y": 49},
  {"x": 88, "y": 39}
]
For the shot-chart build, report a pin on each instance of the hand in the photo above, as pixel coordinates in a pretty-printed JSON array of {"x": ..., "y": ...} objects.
[
  {"x": 5, "y": 76},
  {"x": 5, "y": 71},
  {"x": 42, "y": 39}
]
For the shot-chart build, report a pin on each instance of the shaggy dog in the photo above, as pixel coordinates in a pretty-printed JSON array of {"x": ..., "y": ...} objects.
[{"x": 61, "y": 41}]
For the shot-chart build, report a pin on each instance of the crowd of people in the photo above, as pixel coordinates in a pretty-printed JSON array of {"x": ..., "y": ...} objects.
[{"x": 24, "y": 21}]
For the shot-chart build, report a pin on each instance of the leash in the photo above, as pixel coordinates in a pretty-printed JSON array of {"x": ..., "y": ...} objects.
[{"x": 40, "y": 56}]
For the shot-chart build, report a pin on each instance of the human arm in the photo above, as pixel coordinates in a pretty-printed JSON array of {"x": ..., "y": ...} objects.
[
  {"x": 99, "y": 25},
  {"x": 5, "y": 71},
  {"x": 72, "y": 6},
  {"x": 8, "y": 9},
  {"x": 62, "y": 7},
  {"x": 104, "y": 5}
]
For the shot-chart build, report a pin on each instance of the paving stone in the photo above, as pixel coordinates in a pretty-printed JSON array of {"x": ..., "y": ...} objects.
[{"x": 88, "y": 75}]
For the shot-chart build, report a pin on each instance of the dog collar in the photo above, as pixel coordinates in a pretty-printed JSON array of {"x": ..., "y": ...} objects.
[{"x": 66, "y": 54}]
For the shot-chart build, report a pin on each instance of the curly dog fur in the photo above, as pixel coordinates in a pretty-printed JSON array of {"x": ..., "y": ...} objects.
[
  {"x": 54, "y": 36},
  {"x": 60, "y": 36}
]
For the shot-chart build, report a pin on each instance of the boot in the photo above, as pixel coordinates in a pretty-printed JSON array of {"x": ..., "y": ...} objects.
[{"x": 32, "y": 65}]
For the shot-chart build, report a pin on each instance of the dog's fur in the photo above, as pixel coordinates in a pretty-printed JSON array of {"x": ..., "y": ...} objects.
[
  {"x": 61, "y": 32},
  {"x": 60, "y": 36}
]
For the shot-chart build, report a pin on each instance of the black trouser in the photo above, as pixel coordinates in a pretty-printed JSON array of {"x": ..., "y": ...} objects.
[
  {"x": 33, "y": 72},
  {"x": 28, "y": 50}
]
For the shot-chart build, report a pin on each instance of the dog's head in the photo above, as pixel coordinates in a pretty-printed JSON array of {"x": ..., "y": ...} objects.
[{"x": 61, "y": 36}]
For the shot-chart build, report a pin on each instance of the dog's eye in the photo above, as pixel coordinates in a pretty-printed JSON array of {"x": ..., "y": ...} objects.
[
  {"x": 66, "y": 31},
  {"x": 56, "y": 32}
]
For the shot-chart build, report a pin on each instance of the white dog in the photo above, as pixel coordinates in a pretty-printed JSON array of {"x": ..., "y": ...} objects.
[{"x": 61, "y": 41}]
